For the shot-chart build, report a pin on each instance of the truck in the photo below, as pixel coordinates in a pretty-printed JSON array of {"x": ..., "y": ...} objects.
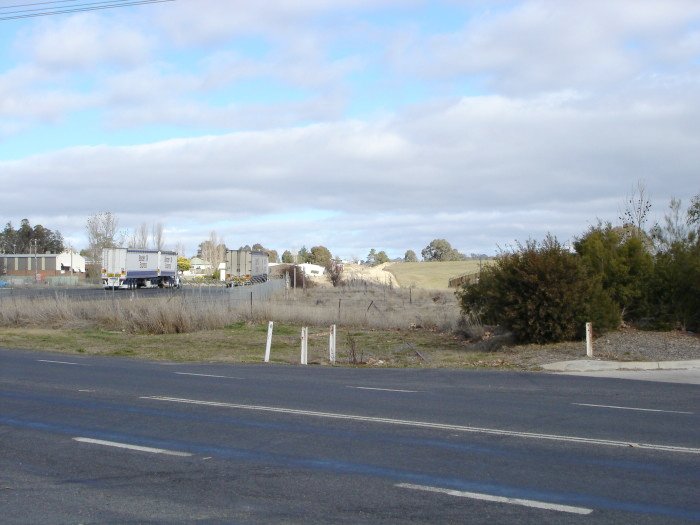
[
  {"x": 127, "y": 268},
  {"x": 244, "y": 267}
]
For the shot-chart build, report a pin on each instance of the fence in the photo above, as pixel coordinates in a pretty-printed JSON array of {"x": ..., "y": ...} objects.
[{"x": 235, "y": 296}]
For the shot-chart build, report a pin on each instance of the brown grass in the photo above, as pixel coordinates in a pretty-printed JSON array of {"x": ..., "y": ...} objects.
[
  {"x": 431, "y": 275},
  {"x": 361, "y": 307},
  {"x": 384, "y": 326}
]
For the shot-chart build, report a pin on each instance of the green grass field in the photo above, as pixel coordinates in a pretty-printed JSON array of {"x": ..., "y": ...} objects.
[{"x": 431, "y": 275}]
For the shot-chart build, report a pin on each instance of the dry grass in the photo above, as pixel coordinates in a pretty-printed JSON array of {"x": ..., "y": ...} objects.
[
  {"x": 245, "y": 343},
  {"x": 386, "y": 326},
  {"x": 431, "y": 275},
  {"x": 357, "y": 307}
]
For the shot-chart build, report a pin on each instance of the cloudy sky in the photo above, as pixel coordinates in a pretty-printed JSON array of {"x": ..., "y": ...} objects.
[{"x": 353, "y": 124}]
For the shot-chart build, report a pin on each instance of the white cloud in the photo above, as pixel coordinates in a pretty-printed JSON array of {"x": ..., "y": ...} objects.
[
  {"x": 549, "y": 45},
  {"x": 85, "y": 41},
  {"x": 578, "y": 101},
  {"x": 208, "y": 21},
  {"x": 484, "y": 170}
]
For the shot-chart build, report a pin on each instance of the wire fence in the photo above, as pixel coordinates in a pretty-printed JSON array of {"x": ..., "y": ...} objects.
[{"x": 236, "y": 295}]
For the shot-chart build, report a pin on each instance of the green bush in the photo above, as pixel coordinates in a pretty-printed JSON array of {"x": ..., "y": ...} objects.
[
  {"x": 674, "y": 288},
  {"x": 542, "y": 293},
  {"x": 621, "y": 262}
]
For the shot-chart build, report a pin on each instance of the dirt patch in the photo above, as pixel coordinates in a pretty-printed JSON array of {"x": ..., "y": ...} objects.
[
  {"x": 369, "y": 274},
  {"x": 624, "y": 345}
]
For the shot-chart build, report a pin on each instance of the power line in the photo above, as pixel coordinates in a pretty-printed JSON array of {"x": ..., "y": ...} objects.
[
  {"x": 37, "y": 3},
  {"x": 76, "y": 8}
]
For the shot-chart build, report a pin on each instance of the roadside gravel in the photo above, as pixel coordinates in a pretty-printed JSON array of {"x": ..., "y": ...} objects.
[{"x": 624, "y": 345}]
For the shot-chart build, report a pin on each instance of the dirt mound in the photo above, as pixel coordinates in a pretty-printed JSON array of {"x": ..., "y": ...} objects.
[{"x": 371, "y": 274}]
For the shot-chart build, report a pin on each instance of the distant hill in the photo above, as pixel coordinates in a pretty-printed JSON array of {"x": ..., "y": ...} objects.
[{"x": 431, "y": 275}]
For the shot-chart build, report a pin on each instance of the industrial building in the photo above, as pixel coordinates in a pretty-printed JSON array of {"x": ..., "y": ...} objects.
[{"x": 42, "y": 265}]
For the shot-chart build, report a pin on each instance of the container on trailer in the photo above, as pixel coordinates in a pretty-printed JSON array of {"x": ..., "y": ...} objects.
[
  {"x": 129, "y": 268},
  {"x": 245, "y": 267}
]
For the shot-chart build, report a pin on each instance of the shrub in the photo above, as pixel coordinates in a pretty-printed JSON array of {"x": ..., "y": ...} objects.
[
  {"x": 622, "y": 264},
  {"x": 674, "y": 288},
  {"x": 540, "y": 292}
]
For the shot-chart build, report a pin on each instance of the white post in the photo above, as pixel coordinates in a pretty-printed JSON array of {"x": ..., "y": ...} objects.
[
  {"x": 269, "y": 342},
  {"x": 331, "y": 345},
  {"x": 304, "y": 345},
  {"x": 589, "y": 339}
]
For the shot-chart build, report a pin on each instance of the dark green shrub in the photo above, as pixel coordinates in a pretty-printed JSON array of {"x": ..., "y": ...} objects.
[
  {"x": 621, "y": 262},
  {"x": 542, "y": 293},
  {"x": 674, "y": 287}
]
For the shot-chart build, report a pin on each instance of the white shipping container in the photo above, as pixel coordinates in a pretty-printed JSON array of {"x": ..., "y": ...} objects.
[
  {"x": 123, "y": 267},
  {"x": 168, "y": 263},
  {"x": 141, "y": 263},
  {"x": 113, "y": 262}
]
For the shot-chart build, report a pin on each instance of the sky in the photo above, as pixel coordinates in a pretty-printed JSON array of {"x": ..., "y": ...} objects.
[{"x": 352, "y": 124}]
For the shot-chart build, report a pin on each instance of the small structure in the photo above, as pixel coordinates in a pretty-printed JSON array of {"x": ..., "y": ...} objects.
[
  {"x": 199, "y": 266},
  {"x": 312, "y": 270}
]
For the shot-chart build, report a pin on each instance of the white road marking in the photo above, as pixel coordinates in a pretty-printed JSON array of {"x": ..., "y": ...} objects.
[
  {"x": 427, "y": 424},
  {"x": 85, "y": 390},
  {"x": 499, "y": 499},
  {"x": 383, "y": 389},
  {"x": 632, "y": 408},
  {"x": 61, "y": 362},
  {"x": 205, "y": 375},
  {"x": 131, "y": 447}
]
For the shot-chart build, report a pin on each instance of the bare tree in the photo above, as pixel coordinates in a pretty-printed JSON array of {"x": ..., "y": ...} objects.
[
  {"x": 102, "y": 233},
  {"x": 637, "y": 207},
  {"x": 157, "y": 236},
  {"x": 141, "y": 235},
  {"x": 180, "y": 249},
  {"x": 213, "y": 250},
  {"x": 132, "y": 241}
]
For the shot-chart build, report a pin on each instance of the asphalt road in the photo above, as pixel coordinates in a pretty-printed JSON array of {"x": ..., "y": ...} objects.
[{"x": 109, "y": 440}]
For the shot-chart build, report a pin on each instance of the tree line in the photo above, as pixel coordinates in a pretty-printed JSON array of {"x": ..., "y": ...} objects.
[{"x": 30, "y": 239}]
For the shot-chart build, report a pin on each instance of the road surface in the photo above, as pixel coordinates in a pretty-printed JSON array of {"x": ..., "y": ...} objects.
[{"x": 110, "y": 440}]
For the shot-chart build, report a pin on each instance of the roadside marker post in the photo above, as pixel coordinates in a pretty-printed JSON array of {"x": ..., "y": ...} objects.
[
  {"x": 269, "y": 342},
  {"x": 589, "y": 339},
  {"x": 331, "y": 345},
  {"x": 304, "y": 346}
]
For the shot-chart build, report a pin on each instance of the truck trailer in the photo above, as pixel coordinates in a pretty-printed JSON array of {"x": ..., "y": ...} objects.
[
  {"x": 245, "y": 267},
  {"x": 136, "y": 268}
]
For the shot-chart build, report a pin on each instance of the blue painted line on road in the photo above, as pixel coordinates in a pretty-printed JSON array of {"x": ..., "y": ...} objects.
[
  {"x": 346, "y": 468},
  {"x": 547, "y": 456}
]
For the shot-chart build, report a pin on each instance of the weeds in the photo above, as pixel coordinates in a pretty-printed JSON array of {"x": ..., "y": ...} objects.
[
  {"x": 365, "y": 306},
  {"x": 355, "y": 357}
]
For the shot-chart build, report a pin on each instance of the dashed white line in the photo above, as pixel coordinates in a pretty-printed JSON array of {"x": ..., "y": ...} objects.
[
  {"x": 60, "y": 362},
  {"x": 439, "y": 426},
  {"x": 499, "y": 499},
  {"x": 205, "y": 375},
  {"x": 382, "y": 389},
  {"x": 131, "y": 447},
  {"x": 633, "y": 408}
]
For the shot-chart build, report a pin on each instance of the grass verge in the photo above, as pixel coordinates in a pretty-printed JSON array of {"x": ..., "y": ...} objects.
[{"x": 244, "y": 342}]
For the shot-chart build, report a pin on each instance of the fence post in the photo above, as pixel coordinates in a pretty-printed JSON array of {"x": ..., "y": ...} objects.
[
  {"x": 331, "y": 345},
  {"x": 589, "y": 339},
  {"x": 304, "y": 346},
  {"x": 269, "y": 342}
]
